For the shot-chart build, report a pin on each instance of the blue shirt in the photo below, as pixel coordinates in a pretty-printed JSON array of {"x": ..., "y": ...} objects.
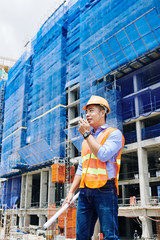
[{"x": 108, "y": 151}]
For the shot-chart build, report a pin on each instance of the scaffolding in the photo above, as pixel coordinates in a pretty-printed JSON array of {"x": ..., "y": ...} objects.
[{"x": 8, "y": 221}]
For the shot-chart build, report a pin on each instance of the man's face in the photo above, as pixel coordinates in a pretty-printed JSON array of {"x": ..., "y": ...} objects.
[{"x": 95, "y": 116}]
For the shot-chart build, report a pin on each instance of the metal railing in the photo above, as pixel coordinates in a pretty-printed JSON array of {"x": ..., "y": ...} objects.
[{"x": 153, "y": 172}]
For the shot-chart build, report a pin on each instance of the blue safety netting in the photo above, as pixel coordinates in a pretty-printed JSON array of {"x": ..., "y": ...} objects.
[
  {"x": 15, "y": 113},
  {"x": 151, "y": 132},
  {"x": 36, "y": 153},
  {"x": 147, "y": 94},
  {"x": 127, "y": 44},
  {"x": 2, "y": 94},
  {"x": 75, "y": 136},
  {"x": 114, "y": 33},
  {"x": 35, "y": 96},
  {"x": 130, "y": 137},
  {"x": 73, "y": 56}
]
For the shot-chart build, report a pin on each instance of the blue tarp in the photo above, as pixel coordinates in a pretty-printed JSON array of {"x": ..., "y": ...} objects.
[{"x": 11, "y": 190}]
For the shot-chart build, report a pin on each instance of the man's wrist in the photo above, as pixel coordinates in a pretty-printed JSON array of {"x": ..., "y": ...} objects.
[
  {"x": 86, "y": 134},
  {"x": 71, "y": 192}
]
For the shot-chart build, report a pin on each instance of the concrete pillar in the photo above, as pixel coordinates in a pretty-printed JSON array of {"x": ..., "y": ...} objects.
[
  {"x": 21, "y": 221},
  {"x": 70, "y": 100},
  {"x": 43, "y": 189},
  {"x": 143, "y": 168},
  {"x": 23, "y": 192},
  {"x": 136, "y": 88},
  {"x": 28, "y": 191},
  {"x": 137, "y": 100},
  {"x": 26, "y": 222},
  {"x": 123, "y": 194},
  {"x": 142, "y": 163},
  {"x": 42, "y": 220},
  {"x": 143, "y": 182},
  {"x": 51, "y": 189},
  {"x": 146, "y": 228},
  {"x": 143, "y": 176}
]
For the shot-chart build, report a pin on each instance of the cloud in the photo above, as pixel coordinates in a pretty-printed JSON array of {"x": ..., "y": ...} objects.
[{"x": 19, "y": 22}]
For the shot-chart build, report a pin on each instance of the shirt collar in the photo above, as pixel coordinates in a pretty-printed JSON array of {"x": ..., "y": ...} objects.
[{"x": 99, "y": 129}]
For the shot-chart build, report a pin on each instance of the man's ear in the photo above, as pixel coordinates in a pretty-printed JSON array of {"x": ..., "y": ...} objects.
[{"x": 103, "y": 113}]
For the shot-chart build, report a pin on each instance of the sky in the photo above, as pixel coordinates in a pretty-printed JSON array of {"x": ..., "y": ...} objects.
[{"x": 20, "y": 20}]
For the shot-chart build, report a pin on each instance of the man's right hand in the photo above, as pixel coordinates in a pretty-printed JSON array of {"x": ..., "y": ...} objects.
[
  {"x": 68, "y": 198},
  {"x": 75, "y": 185}
]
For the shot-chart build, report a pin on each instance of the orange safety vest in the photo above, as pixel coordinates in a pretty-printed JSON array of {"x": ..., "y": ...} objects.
[{"x": 94, "y": 171}]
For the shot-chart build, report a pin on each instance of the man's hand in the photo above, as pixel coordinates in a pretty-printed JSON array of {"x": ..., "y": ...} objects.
[
  {"x": 68, "y": 198},
  {"x": 75, "y": 185},
  {"x": 83, "y": 126}
]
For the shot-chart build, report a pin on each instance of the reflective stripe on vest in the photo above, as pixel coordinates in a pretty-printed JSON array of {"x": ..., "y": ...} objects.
[
  {"x": 95, "y": 171},
  {"x": 88, "y": 156},
  {"x": 118, "y": 161}
]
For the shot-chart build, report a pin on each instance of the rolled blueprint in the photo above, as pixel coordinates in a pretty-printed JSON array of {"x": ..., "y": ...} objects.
[{"x": 57, "y": 214}]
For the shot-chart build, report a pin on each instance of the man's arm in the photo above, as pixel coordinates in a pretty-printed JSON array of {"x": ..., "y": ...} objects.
[
  {"x": 112, "y": 146},
  {"x": 74, "y": 187}
]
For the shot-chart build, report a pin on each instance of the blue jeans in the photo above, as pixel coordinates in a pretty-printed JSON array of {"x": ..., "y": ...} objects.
[{"x": 99, "y": 203}]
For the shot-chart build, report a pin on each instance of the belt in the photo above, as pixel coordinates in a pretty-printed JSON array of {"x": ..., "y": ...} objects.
[{"x": 109, "y": 181}]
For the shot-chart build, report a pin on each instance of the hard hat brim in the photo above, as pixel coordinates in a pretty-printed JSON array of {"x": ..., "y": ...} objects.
[{"x": 85, "y": 107}]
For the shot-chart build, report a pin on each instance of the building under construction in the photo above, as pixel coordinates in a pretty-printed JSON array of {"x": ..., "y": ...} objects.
[{"x": 87, "y": 47}]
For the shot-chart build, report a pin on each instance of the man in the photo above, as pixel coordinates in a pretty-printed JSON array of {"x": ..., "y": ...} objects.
[
  {"x": 97, "y": 173},
  {"x": 135, "y": 235}
]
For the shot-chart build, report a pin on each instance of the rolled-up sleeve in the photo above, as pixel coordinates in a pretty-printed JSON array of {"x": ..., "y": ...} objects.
[{"x": 112, "y": 146}]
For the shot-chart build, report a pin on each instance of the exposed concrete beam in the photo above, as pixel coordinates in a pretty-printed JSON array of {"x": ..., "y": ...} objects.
[
  {"x": 152, "y": 142},
  {"x": 136, "y": 181},
  {"x": 149, "y": 143},
  {"x": 130, "y": 148},
  {"x": 139, "y": 211},
  {"x": 32, "y": 211}
]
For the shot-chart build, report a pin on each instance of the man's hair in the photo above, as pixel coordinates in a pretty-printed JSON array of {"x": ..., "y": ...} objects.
[{"x": 101, "y": 108}]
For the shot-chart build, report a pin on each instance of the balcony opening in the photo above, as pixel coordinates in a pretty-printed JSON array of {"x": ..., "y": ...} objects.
[
  {"x": 129, "y": 131},
  {"x": 151, "y": 128},
  {"x": 35, "y": 190},
  {"x": 129, "y": 167},
  {"x": 34, "y": 220}
]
